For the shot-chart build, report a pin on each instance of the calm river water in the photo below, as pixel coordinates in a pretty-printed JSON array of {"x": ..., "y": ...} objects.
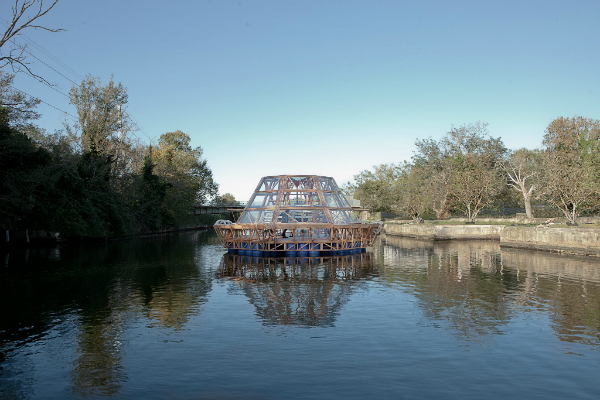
[{"x": 174, "y": 317}]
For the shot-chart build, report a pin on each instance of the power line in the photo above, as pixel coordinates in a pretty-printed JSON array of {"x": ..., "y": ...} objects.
[
  {"x": 70, "y": 80},
  {"x": 70, "y": 70},
  {"x": 50, "y": 86},
  {"x": 72, "y": 116},
  {"x": 138, "y": 125},
  {"x": 48, "y": 104}
]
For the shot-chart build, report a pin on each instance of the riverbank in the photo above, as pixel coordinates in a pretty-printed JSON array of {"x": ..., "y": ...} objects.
[
  {"x": 45, "y": 237},
  {"x": 562, "y": 240}
]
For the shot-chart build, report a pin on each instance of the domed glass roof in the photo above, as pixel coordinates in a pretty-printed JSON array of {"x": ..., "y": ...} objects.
[{"x": 298, "y": 199}]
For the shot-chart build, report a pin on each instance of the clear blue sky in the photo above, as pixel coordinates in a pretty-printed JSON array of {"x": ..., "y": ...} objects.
[{"x": 325, "y": 87}]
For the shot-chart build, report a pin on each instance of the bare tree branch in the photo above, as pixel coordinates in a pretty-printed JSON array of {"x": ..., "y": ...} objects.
[{"x": 17, "y": 55}]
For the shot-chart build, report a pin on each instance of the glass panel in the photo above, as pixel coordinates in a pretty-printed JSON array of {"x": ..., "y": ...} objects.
[
  {"x": 256, "y": 217},
  {"x": 300, "y": 182},
  {"x": 328, "y": 184},
  {"x": 353, "y": 218},
  {"x": 343, "y": 217},
  {"x": 292, "y": 216},
  {"x": 271, "y": 200},
  {"x": 335, "y": 200},
  {"x": 344, "y": 200},
  {"x": 265, "y": 217},
  {"x": 262, "y": 200},
  {"x": 269, "y": 184},
  {"x": 300, "y": 199},
  {"x": 248, "y": 217},
  {"x": 257, "y": 201},
  {"x": 315, "y": 216}
]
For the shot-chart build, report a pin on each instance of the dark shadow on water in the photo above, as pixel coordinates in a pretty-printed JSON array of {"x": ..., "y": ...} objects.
[{"x": 87, "y": 293}]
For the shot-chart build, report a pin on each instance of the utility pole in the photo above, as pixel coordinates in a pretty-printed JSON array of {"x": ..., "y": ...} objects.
[
  {"x": 119, "y": 133},
  {"x": 120, "y": 122}
]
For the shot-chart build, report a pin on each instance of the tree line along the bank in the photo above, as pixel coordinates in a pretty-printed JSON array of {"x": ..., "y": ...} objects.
[
  {"x": 468, "y": 170},
  {"x": 95, "y": 177}
]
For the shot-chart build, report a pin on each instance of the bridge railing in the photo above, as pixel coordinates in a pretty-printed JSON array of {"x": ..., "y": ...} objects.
[
  {"x": 219, "y": 208},
  {"x": 236, "y": 204}
]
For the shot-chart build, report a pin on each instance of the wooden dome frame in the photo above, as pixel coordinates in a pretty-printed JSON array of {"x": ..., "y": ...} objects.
[{"x": 305, "y": 215}]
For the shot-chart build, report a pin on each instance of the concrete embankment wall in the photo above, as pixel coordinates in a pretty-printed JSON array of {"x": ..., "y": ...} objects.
[
  {"x": 579, "y": 241},
  {"x": 446, "y": 232},
  {"x": 560, "y": 240}
]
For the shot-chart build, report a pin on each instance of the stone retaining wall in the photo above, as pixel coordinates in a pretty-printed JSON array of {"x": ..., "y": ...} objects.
[
  {"x": 579, "y": 241},
  {"x": 560, "y": 240},
  {"x": 446, "y": 232}
]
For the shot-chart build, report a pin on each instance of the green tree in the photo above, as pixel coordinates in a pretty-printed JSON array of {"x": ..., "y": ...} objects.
[
  {"x": 151, "y": 208},
  {"x": 461, "y": 169},
  {"x": 20, "y": 109},
  {"x": 227, "y": 199},
  {"x": 572, "y": 164},
  {"x": 100, "y": 114},
  {"x": 415, "y": 191},
  {"x": 188, "y": 174},
  {"x": 434, "y": 166},
  {"x": 475, "y": 160},
  {"x": 21, "y": 164},
  {"x": 379, "y": 190}
]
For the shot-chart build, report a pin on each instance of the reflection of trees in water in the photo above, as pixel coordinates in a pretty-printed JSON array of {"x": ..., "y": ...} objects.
[
  {"x": 298, "y": 291},
  {"x": 569, "y": 286},
  {"x": 457, "y": 282},
  {"x": 97, "y": 369},
  {"x": 477, "y": 288},
  {"x": 172, "y": 286},
  {"x": 102, "y": 287}
]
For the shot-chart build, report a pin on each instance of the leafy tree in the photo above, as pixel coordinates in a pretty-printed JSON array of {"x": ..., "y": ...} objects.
[
  {"x": 379, "y": 190},
  {"x": 415, "y": 193},
  {"x": 475, "y": 159},
  {"x": 20, "y": 178},
  {"x": 475, "y": 185},
  {"x": 100, "y": 113},
  {"x": 433, "y": 163},
  {"x": 572, "y": 163},
  {"x": 227, "y": 199},
  {"x": 151, "y": 208},
  {"x": 90, "y": 182},
  {"x": 348, "y": 188},
  {"x": 20, "y": 108},
  {"x": 461, "y": 169},
  {"x": 189, "y": 176}
]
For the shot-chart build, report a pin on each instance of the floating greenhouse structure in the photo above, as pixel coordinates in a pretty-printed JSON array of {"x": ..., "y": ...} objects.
[{"x": 297, "y": 215}]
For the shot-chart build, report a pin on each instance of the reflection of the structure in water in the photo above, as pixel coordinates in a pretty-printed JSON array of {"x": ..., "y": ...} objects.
[
  {"x": 307, "y": 292},
  {"x": 478, "y": 288}
]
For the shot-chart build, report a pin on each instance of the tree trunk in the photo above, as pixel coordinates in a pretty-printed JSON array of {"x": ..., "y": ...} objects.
[
  {"x": 442, "y": 212},
  {"x": 570, "y": 215},
  {"x": 470, "y": 215},
  {"x": 527, "y": 200}
]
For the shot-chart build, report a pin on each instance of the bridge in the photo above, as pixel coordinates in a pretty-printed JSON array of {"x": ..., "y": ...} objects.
[{"x": 238, "y": 206}]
